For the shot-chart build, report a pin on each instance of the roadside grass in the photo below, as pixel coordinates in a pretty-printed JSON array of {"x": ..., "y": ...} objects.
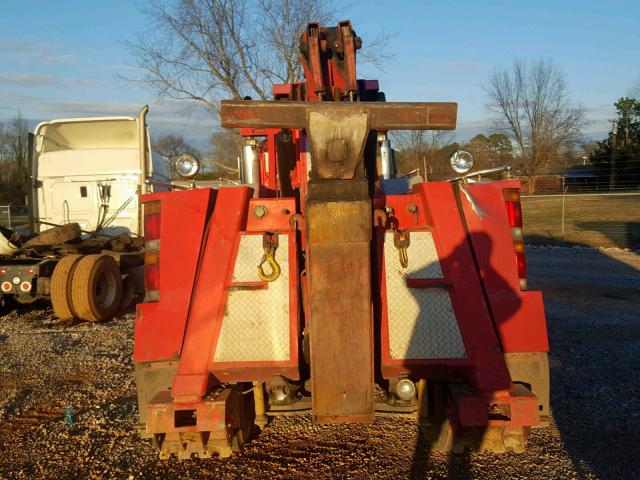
[{"x": 590, "y": 220}]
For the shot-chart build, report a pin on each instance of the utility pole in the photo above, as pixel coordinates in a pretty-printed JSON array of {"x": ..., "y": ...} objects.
[{"x": 612, "y": 164}]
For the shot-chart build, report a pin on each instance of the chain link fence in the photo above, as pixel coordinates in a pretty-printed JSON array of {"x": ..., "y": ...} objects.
[
  {"x": 589, "y": 219},
  {"x": 14, "y": 216}
]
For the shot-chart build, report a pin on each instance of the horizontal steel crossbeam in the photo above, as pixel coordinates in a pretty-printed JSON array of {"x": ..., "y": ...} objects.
[{"x": 382, "y": 115}]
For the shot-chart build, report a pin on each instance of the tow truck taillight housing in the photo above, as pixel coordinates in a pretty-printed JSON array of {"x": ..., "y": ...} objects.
[
  {"x": 152, "y": 251},
  {"x": 514, "y": 212}
]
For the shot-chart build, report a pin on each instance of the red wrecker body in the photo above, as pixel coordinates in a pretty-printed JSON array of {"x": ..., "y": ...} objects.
[{"x": 325, "y": 285}]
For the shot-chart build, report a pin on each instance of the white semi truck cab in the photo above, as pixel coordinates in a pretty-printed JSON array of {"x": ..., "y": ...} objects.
[
  {"x": 90, "y": 171},
  {"x": 86, "y": 175}
]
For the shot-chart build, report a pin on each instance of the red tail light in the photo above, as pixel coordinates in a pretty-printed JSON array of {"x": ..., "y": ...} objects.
[
  {"x": 152, "y": 251},
  {"x": 514, "y": 212},
  {"x": 521, "y": 260},
  {"x": 151, "y": 221},
  {"x": 151, "y": 277}
]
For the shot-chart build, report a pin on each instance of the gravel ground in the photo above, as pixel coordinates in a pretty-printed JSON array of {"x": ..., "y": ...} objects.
[{"x": 594, "y": 326}]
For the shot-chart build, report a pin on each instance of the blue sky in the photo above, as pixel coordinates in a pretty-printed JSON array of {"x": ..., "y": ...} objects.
[{"x": 61, "y": 59}]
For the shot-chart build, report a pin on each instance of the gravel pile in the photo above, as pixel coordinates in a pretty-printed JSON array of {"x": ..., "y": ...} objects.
[{"x": 592, "y": 308}]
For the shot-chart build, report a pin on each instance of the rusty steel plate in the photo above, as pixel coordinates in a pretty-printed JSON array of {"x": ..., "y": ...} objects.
[{"x": 382, "y": 115}]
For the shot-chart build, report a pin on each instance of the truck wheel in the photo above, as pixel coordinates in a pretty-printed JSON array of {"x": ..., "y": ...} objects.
[
  {"x": 96, "y": 288},
  {"x": 128, "y": 293},
  {"x": 61, "y": 234},
  {"x": 61, "y": 287}
]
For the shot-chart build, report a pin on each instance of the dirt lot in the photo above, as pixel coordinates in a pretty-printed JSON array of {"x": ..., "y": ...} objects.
[{"x": 594, "y": 323}]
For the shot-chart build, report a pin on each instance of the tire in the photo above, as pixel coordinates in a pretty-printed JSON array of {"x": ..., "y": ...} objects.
[
  {"x": 55, "y": 235},
  {"x": 438, "y": 432},
  {"x": 61, "y": 287},
  {"x": 96, "y": 288},
  {"x": 128, "y": 293}
]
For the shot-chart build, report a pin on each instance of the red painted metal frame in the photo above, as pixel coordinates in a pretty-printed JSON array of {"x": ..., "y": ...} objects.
[
  {"x": 276, "y": 220},
  {"x": 518, "y": 315},
  {"x": 428, "y": 283},
  {"x": 483, "y": 355},
  {"x": 208, "y": 299},
  {"x": 268, "y": 165},
  {"x": 472, "y": 410},
  {"x": 329, "y": 64},
  {"x": 212, "y": 415},
  {"x": 197, "y": 262},
  {"x": 160, "y": 326}
]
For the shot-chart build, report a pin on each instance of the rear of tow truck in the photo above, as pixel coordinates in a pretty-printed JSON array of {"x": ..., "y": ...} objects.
[{"x": 324, "y": 285}]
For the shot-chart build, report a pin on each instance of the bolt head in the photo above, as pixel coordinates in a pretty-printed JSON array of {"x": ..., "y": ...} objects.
[{"x": 260, "y": 211}]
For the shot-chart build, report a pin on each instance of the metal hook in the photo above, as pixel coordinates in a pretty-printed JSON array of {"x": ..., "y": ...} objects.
[{"x": 269, "y": 243}]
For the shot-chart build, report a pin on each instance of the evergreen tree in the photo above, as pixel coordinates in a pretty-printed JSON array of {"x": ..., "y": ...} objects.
[{"x": 623, "y": 145}]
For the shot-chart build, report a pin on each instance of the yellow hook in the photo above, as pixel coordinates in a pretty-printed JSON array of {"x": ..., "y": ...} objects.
[{"x": 275, "y": 268}]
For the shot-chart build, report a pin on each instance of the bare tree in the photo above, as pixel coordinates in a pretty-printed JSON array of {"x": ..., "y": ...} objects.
[
  {"x": 205, "y": 50},
  {"x": 13, "y": 159},
  {"x": 226, "y": 145},
  {"x": 532, "y": 106},
  {"x": 169, "y": 147},
  {"x": 490, "y": 151},
  {"x": 423, "y": 150}
]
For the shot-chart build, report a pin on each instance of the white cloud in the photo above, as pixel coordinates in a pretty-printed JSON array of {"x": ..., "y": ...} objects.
[
  {"x": 191, "y": 121},
  {"x": 43, "y": 80},
  {"x": 41, "y": 52},
  {"x": 463, "y": 65},
  {"x": 29, "y": 80}
]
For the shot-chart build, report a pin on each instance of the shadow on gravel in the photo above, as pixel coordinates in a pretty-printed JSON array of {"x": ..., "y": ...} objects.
[
  {"x": 593, "y": 317},
  {"x": 435, "y": 434},
  {"x": 621, "y": 234},
  {"x": 44, "y": 313},
  {"x": 618, "y": 234},
  {"x": 8, "y": 305}
]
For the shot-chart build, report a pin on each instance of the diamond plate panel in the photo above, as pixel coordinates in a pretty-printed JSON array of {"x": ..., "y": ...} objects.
[
  {"x": 255, "y": 327},
  {"x": 422, "y": 324}
]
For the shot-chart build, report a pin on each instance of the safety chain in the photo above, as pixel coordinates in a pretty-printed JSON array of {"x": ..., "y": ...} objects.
[{"x": 269, "y": 245}]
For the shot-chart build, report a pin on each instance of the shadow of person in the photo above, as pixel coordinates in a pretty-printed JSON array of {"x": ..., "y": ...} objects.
[
  {"x": 591, "y": 304},
  {"x": 619, "y": 233},
  {"x": 452, "y": 319}
]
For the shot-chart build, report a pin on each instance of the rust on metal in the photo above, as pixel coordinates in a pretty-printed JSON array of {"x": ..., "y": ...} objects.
[
  {"x": 382, "y": 116},
  {"x": 337, "y": 140},
  {"x": 313, "y": 44},
  {"x": 346, "y": 46},
  {"x": 340, "y": 305}
]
